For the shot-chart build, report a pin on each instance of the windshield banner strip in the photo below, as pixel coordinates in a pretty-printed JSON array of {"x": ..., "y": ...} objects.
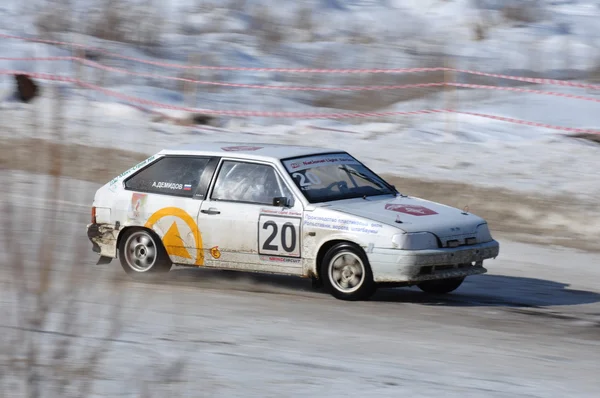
[{"x": 318, "y": 160}]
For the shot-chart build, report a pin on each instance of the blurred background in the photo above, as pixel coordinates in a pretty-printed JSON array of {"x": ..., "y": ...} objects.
[{"x": 491, "y": 104}]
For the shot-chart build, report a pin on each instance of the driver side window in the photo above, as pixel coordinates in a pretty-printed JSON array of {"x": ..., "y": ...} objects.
[{"x": 249, "y": 183}]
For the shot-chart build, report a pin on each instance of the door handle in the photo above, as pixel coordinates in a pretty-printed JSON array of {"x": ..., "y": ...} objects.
[{"x": 211, "y": 210}]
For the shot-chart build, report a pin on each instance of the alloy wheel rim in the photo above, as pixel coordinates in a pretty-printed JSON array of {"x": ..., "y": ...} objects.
[
  {"x": 346, "y": 272},
  {"x": 140, "y": 252}
]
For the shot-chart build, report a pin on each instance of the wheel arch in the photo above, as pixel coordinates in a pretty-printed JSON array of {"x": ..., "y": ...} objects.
[
  {"x": 325, "y": 246},
  {"x": 126, "y": 230}
]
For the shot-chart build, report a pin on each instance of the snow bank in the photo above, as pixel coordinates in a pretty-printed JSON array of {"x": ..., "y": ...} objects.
[{"x": 563, "y": 43}]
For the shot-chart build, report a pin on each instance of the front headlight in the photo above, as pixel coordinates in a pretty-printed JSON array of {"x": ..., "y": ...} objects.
[
  {"x": 483, "y": 233},
  {"x": 415, "y": 241}
]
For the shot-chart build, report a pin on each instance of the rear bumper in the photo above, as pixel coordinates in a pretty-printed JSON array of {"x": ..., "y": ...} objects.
[
  {"x": 412, "y": 266},
  {"x": 103, "y": 238}
]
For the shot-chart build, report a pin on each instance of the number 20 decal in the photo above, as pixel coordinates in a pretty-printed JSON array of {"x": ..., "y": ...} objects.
[
  {"x": 284, "y": 244},
  {"x": 279, "y": 236},
  {"x": 312, "y": 178}
]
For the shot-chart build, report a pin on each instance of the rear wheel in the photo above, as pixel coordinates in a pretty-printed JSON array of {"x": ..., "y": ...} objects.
[
  {"x": 441, "y": 286},
  {"x": 142, "y": 254},
  {"x": 346, "y": 273}
]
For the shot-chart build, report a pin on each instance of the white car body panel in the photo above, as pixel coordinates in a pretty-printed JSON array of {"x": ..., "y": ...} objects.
[
  {"x": 239, "y": 233},
  {"x": 416, "y": 215},
  {"x": 259, "y": 237}
]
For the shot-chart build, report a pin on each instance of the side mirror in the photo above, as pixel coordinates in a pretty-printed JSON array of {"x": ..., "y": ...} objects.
[{"x": 281, "y": 201}]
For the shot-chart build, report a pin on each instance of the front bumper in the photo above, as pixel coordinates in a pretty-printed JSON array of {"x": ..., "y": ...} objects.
[{"x": 393, "y": 265}]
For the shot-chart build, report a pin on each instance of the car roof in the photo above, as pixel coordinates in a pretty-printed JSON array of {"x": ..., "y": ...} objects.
[{"x": 245, "y": 150}]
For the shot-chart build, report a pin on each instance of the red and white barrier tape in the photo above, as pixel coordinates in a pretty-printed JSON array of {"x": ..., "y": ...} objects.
[
  {"x": 523, "y": 90},
  {"x": 303, "y": 115},
  {"x": 42, "y": 76},
  {"x": 526, "y": 122},
  {"x": 342, "y": 88},
  {"x": 278, "y": 114},
  {"x": 555, "y": 82},
  {"x": 225, "y": 68},
  {"x": 534, "y": 80},
  {"x": 44, "y": 41},
  {"x": 303, "y": 70},
  {"x": 260, "y": 86},
  {"x": 314, "y": 88}
]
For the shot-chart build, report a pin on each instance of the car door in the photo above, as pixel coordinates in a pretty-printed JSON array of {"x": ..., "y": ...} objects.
[
  {"x": 166, "y": 197},
  {"x": 246, "y": 230}
]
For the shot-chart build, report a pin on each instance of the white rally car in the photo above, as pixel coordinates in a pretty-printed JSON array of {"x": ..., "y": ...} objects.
[{"x": 310, "y": 212}]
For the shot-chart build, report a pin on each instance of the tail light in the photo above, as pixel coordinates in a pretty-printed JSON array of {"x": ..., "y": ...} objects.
[{"x": 93, "y": 214}]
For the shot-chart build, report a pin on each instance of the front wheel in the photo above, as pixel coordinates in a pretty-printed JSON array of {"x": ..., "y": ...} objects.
[
  {"x": 346, "y": 273},
  {"x": 441, "y": 286},
  {"x": 141, "y": 254}
]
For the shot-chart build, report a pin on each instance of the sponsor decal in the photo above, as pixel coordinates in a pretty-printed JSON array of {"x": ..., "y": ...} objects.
[
  {"x": 284, "y": 212},
  {"x": 167, "y": 185},
  {"x": 318, "y": 160},
  {"x": 137, "y": 207},
  {"x": 413, "y": 210},
  {"x": 280, "y": 259},
  {"x": 175, "y": 243},
  {"x": 241, "y": 148},
  {"x": 134, "y": 168},
  {"x": 187, "y": 187},
  {"x": 215, "y": 252},
  {"x": 342, "y": 224}
]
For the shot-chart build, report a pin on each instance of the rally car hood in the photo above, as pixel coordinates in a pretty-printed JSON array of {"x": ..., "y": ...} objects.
[{"x": 412, "y": 214}]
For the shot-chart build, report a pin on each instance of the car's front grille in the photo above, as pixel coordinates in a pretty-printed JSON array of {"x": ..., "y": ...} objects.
[{"x": 467, "y": 241}]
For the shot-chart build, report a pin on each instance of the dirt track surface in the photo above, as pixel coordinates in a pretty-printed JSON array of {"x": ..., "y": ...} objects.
[{"x": 529, "y": 328}]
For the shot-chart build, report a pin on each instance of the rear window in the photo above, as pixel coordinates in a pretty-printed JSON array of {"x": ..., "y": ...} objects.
[{"x": 178, "y": 176}]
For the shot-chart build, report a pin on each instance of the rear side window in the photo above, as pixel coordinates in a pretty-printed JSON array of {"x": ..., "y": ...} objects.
[{"x": 178, "y": 176}]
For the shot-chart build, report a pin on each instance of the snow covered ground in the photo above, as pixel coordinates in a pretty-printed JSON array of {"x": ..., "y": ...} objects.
[{"x": 561, "y": 40}]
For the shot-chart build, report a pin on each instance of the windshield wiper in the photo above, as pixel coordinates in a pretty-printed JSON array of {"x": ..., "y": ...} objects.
[{"x": 363, "y": 176}]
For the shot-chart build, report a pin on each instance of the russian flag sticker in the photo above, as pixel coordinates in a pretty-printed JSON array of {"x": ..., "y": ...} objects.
[{"x": 187, "y": 187}]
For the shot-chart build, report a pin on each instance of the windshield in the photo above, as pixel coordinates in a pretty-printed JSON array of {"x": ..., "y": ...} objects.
[{"x": 323, "y": 178}]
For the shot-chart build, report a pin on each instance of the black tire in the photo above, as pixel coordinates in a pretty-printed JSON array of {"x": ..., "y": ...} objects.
[
  {"x": 142, "y": 254},
  {"x": 350, "y": 261},
  {"x": 441, "y": 286}
]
